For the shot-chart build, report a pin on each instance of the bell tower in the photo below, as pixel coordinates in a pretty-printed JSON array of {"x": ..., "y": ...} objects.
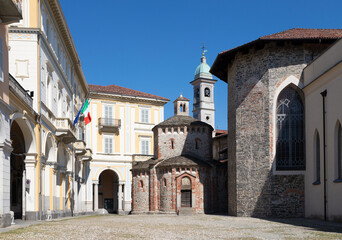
[
  {"x": 181, "y": 106},
  {"x": 204, "y": 107}
]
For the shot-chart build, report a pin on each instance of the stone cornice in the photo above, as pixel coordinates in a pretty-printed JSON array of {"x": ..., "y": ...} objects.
[{"x": 69, "y": 42}]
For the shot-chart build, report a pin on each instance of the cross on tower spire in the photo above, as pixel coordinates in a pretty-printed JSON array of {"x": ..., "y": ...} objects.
[{"x": 204, "y": 49}]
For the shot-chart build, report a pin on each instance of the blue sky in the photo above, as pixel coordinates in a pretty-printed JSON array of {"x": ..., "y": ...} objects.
[{"x": 155, "y": 46}]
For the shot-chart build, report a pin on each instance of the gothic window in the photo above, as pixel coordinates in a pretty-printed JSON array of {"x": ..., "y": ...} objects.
[
  {"x": 290, "y": 131},
  {"x": 339, "y": 152},
  {"x": 181, "y": 108},
  {"x": 207, "y": 92},
  {"x": 317, "y": 159}
]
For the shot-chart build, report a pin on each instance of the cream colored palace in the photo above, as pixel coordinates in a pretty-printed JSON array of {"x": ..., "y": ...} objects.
[{"x": 51, "y": 167}]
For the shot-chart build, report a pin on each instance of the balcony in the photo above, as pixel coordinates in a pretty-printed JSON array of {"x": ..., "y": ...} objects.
[
  {"x": 109, "y": 124},
  {"x": 88, "y": 155},
  {"x": 10, "y": 11},
  {"x": 65, "y": 130},
  {"x": 20, "y": 92},
  {"x": 80, "y": 147}
]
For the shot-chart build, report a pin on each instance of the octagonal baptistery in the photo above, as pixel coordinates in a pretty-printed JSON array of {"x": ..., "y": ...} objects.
[{"x": 182, "y": 175}]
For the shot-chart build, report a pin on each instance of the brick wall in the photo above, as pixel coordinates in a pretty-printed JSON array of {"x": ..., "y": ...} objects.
[{"x": 140, "y": 194}]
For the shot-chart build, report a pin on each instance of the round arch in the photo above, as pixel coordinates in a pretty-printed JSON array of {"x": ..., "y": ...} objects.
[
  {"x": 50, "y": 149},
  {"x": 98, "y": 173},
  {"x": 61, "y": 156},
  {"x": 28, "y": 132}
]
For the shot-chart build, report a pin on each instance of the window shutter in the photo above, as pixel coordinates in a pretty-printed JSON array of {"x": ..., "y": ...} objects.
[
  {"x": 145, "y": 146},
  {"x": 1, "y": 62},
  {"x": 108, "y": 146}
]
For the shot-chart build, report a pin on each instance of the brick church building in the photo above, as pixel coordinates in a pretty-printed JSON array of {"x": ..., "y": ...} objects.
[{"x": 182, "y": 176}]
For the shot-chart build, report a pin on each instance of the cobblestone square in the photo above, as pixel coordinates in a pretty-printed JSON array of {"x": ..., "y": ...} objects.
[{"x": 175, "y": 227}]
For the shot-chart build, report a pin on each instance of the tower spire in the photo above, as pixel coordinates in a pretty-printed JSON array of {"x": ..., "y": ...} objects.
[{"x": 204, "y": 50}]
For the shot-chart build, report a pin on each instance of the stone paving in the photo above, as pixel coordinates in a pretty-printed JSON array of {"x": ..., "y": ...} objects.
[{"x": 175, "y": 227}]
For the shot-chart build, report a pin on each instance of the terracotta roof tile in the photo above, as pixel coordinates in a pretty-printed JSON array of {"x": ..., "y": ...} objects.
[
  {"x": 181, "y": 120},
  {"x": 305, "y": 33},
  {"x": 296, "y": 34},
  {"x": 181, "y": 98},
  {"x": 123, "y": 91},
  {"x": 218, "y": 131}
]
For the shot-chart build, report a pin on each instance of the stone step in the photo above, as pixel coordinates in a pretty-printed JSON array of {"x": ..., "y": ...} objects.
[{"x": 186, "y": 211}]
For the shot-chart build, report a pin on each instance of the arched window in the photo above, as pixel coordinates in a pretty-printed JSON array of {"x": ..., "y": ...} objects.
[
  {"x": 197, "y": 143},
  {"x": 339, "y": 152},
  {"x": 181, "y": 108},
  {"x": 207, "y": 92},
  {"x": 290, "y": 131},
  {"x": 317, "y": 159},
  {"x": 172, "y": 142}
]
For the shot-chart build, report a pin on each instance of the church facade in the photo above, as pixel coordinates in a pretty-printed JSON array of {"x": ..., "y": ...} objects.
[{"x": 266, "y": 141}]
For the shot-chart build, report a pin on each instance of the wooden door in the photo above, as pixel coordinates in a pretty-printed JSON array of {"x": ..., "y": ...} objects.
[{"x": 186, "y": 198}]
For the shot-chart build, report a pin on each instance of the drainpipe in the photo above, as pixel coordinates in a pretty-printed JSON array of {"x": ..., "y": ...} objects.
[{"x": 324, "y": 94}]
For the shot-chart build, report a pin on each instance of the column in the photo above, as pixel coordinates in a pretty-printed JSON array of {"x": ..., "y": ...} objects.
[
  {"x": 5, "y": 173},
  {"x": 96, "y": 196},
  {"x": 115, "y": 198},
  {"x": 123, "y": 198},
  {"x": 120, "y": 211},
  {"x": 30, "y": 193}
]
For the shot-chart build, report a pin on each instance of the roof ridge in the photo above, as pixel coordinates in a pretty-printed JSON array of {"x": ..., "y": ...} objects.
[{"x": 116, "y": 89}]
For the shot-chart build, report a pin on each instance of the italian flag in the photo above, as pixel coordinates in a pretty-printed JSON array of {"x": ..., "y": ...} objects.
[{"x": 87, "y": 118}]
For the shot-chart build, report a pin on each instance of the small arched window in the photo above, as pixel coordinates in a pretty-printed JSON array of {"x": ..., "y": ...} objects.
[
  {"x": 181, "y": 108},
  {"x": 172, "y": 142},
  {"x": 197, "y": 93},
  {"x": 317, "y": 159},
  {"x": 141, "y": 184},
  {"x": 164, "y": 182},
  {"x": 290, "y": 131},
  {"x": 197, "y": 143},
  {"x": 339, "y": 152},
  {"x": 207, "y": 92}
]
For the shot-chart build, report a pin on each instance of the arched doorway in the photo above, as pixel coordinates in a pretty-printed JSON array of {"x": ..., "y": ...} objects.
[
  {"x": 186, "y": 198},
  {"x": 108, "y": 191},
  {"x": 17, "y": 170}
]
